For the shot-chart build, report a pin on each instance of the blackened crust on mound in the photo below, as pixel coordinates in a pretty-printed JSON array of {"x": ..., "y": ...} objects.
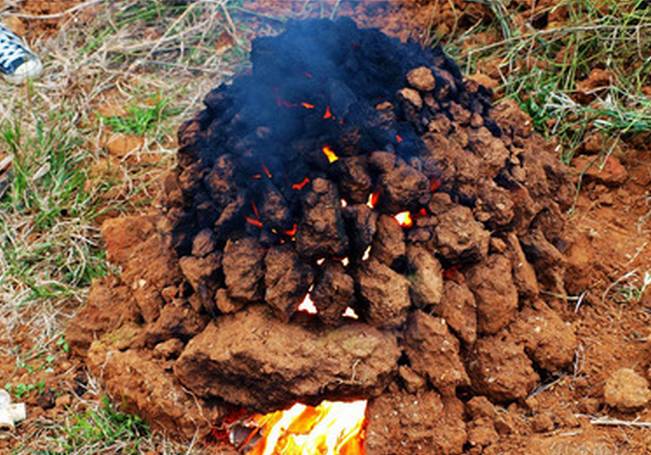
[{"x": 257, "y": 138}]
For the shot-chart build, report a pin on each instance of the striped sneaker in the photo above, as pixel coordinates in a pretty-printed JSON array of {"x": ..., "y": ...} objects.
[{"x": 17, "y": 61}]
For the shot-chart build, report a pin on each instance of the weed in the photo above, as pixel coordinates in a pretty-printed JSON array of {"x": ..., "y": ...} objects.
[
  {"x": 141, "y": 119},
  {"x": 98, "y": 429},
  {"x": 540, "y": 68}
]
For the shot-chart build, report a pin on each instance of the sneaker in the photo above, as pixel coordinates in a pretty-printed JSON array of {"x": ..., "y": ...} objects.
[{"x": 17, "y": 61}]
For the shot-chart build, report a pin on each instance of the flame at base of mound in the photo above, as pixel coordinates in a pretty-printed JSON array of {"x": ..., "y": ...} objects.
[{"x": 331, "y": 428}]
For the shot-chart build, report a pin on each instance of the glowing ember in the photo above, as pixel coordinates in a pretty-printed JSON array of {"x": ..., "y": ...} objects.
[
  {"x": 291, "y": 232},
  {"x": 350, "y": 313},
  {"x": 344, "y": 203},
  {"x": 266, "y": 171},
  {"x": 320, "y": 261},
  {"x": 308, "y": 105},
  {"x": 254, "y": 222},
  {"x": 345, "y": 262},
  {"x": 451, "y": 272},
  {"x": 367, "y": 253},
  {"x": 373, "y": 199},
  {"x": 434, "y": 184},
  {"x": 398, "y": 138},
  {"x": 404, "y": 219},
  {"x": 422, "y": 212},
  {"x": 329, "y": 153},
  {"x": 332, "y": 428},
  {"x": 307, "y": 305},
  {"x": 328, "y": 113},
  {"x": 300, "y": 185}
]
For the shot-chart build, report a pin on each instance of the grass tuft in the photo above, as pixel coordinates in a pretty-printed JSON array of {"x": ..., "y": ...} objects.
[{"x": 545, "y": 69}]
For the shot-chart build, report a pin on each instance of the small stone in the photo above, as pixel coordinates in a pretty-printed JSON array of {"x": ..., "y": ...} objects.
[
  {"x": 422, "y": 79},
  {"x": 610, "y": 173},
  {"x": 482, "y": 433},
  {"x": 412, "y": 381},
  {"x": 412, "y": 96},
  {"x": 476, "y": 121},
  {"x": 542, "y": 423},
  {"x": 479, "y": 407},
  {"x": 169, "y": 349},
  {"x": 626, "y": 390},
  {"x": 63, "y": 401},
  {"x": 204, "y": 243},
  {"x": 122, "y": 145},
  {"x": 225, "y": 303}
]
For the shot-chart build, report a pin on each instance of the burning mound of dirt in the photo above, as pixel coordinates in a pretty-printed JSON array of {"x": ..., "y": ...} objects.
[{"x": 349, "y": 220}]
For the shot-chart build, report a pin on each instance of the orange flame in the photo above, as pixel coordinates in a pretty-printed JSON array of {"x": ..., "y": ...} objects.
[
  {"x": 331, "y": 428},
  {"x": 328, "y": 113},
  {"x": 308, "y": 105},
  {"x": 329, "y": 153},
  {"x": 404, "y": 219},
  {"x": 307, "y": 305},
  {"x": 300, "y": 185}
]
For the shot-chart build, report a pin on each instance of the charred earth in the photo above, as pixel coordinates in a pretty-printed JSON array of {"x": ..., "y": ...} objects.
[{"x": 348, "y": 220}]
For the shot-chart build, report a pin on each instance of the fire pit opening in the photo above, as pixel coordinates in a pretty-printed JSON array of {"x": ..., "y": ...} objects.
[
  {"x": 328, "y": 428},
  {"x": 349, "y": 221}
]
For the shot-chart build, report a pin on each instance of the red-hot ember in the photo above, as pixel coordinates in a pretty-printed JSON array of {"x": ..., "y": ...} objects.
[
  {"x": 255, "y": 209},
  {"x": 266, "y": 171},
  {"x": 328, "y": 113},
  {"x": 257, "y": 177},
  {"x": 308, "y": 105},
  {"x": 291, "y": 232},
  {"x": 300, "y": 185},
  {"x": 451, "y": 272},
  {"x": 330, "y": 154},
  {"x": 398, "y": 138},
  {"x": 254, "y": 222},
  {"x": 422, "y": 212},
  {"x": 434, "y": 184}
]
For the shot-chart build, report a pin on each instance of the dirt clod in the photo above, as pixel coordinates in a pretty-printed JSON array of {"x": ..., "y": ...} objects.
[
  {"x": 421, "y": 78},
  {"x": 626, "y": 390},
  {"x": 292, "y": 363}
]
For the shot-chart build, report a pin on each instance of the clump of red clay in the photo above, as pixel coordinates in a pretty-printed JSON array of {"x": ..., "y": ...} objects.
[{"x": 424, "y": 224}]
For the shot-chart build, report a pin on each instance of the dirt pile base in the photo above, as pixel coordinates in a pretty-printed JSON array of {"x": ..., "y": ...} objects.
[{"x": 452, "y": 306}]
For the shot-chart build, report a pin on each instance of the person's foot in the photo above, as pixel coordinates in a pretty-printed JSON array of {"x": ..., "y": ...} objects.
[{"x": 17, "y": 62}]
